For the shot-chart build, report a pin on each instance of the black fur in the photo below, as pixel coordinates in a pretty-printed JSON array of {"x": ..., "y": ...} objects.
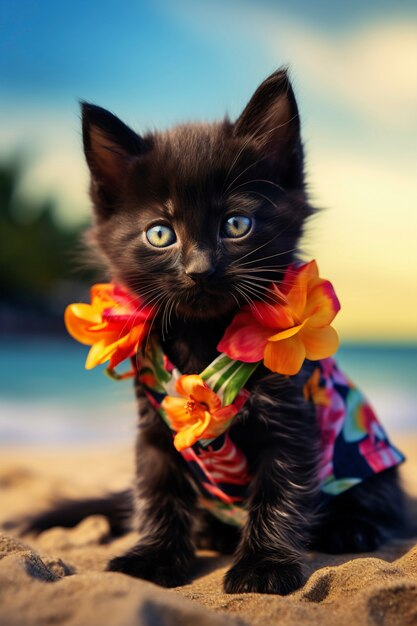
[
  {"x": 191, "y": 178},
  {"x": 116, "y": 507},
  {"x": 363, "y": 518}
]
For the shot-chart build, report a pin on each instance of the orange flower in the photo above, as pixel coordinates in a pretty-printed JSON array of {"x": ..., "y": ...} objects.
[
  {"x": 200, "y": 416},
  {"x": 295, "y": 328},
  {"x": 114, "y": 324}
]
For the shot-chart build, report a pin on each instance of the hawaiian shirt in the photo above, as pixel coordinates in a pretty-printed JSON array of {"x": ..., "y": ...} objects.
[{"x": 354, "y": 446}]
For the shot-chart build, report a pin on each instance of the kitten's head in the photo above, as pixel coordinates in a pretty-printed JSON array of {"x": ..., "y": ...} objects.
[{"x": 200, "y": 218}]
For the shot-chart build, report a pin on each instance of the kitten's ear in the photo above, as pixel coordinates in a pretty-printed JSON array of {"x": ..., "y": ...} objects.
[
  {"x": 109, "y": 147},
  {"x": 271, "y": 122}
]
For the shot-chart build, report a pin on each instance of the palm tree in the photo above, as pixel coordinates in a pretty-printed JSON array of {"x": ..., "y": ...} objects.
[{"x": 36, "y": 252}]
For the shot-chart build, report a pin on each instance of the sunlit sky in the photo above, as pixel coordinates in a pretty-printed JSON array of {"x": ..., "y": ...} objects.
[{"x": 156, "y": 63}]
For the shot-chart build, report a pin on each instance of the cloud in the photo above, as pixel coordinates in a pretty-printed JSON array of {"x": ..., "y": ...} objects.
[
  {"x": 364, "y": 241},
  {"x": 369, "y": 69}
]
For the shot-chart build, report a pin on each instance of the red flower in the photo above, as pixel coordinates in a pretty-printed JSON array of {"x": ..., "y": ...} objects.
[
  {"x": 114, "y": 324},
  {"x": 295, "y": 328}
]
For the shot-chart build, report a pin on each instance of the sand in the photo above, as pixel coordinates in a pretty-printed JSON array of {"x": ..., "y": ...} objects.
[{"x": 58, "y": 577}]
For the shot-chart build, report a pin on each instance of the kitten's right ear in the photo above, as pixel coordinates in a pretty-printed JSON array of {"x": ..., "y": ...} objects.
[
  {"x": 270, "y": 122},
  {"x": 109, "y": 147}
]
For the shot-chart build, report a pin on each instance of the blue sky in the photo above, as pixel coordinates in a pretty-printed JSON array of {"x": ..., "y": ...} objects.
[
  {"x": 168, "y": 58},
  {"x": 157, "y": 63}
]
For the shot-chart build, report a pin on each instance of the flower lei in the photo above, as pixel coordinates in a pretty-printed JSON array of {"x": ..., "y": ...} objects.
[{"x": 201, "y": 406}]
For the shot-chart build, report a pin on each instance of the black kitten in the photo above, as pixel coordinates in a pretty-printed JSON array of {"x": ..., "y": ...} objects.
[{"x": 188, "y": 185}]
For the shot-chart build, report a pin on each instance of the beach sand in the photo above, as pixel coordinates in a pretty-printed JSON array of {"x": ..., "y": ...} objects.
[{"x": 58, "y": 577}]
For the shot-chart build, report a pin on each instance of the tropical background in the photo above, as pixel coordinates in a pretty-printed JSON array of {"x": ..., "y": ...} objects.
[{"x": 156, "y": 63}]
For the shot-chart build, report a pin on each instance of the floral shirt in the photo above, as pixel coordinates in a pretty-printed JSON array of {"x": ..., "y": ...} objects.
[{"x": 354, "y": 446}]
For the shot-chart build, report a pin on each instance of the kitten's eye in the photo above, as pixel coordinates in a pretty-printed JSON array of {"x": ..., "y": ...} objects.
[
  {"x": 236, "y": 226},
  {"x": 161, "y": 236}
]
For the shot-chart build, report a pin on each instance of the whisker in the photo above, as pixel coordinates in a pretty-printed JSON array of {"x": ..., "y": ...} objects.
[
  {"x": 259, "y": 299},
  {"x": 234, "y": 297},
  {"x": 258, "y": 293},
  {"x": 164, "y": 317},
  {"x": 150, "y": 329},
  {"x": 169, "y": 312},
  {"x": 258, "y": 278},
  {"x": 278, "y": 298},
  {"x": 267, "y": 268},
  {"x": 255, "y": 294},
  {"x": 262, "y": 195},
  {"x": 256, "y": 249},
  {"x": 133, "y": 316},
  {"x": 174, "y": 303},
  {"x": 258, "y": 180},
  {"x": 244, "y": 296},
  {"x": 271, "y": 256}
]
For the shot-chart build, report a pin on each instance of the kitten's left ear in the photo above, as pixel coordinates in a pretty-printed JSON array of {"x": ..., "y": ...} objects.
[{"x": 271, "y": 123}]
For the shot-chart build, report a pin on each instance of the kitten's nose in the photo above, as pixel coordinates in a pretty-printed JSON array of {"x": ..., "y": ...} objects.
[
  {"x": 200, "y": 266},
  {"x": 199, "y": 276}
]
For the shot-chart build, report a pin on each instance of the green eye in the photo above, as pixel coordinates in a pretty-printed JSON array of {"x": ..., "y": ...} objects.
[
  {"x": 237, "y": 226},
  {"x": 160, "y": 236}
]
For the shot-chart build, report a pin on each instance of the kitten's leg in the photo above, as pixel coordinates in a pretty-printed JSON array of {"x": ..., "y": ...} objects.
[
  {"x": 363, "y": 517},
  {"x": 165, "y": 503},
  {"x": 269, "y": 556}
]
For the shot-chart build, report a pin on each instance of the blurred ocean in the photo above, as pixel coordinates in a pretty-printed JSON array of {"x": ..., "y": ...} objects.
[{"x": 46, "y": 395}]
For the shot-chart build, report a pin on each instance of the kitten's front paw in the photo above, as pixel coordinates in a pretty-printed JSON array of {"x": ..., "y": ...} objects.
[
  {"x": 349, "y": 535},
  {"x": 156, "y": 566},
  {"x": 262, "y": 577}
]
